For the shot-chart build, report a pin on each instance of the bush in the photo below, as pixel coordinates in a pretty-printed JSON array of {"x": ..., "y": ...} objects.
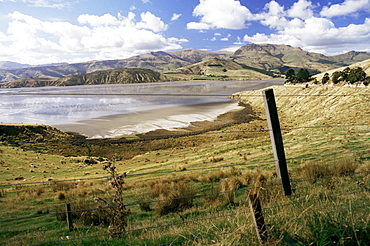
[
  {"x": 228, "y": 186},
  {"x": 174, "y": 197},
  {"x": 314, "y": 171},
  {"x": 325, "y": 79}
]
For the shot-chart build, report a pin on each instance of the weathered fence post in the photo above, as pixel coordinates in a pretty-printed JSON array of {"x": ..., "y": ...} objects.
[
  {"x": 276, "y": 139},
  {"x": 259, "y": 221},
  {"x": 69, "y": 217}
]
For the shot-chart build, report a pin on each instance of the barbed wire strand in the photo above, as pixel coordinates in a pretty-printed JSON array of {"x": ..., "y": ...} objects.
[
  {"x": 188, "y": 197},
  {"x": 151, "y": 137},
  {"x": 147, "y": 228},
  {"x": 139, "y": 203},
  {"x": 176, "y": 171}
]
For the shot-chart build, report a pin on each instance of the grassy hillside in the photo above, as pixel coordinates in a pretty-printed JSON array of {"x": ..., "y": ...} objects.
[
  {"x": 365, "y": 65},
  {"x": 117, "y": 76},
  {"x": 325, "y": 133},
  {"x": 216, "y": 68}
]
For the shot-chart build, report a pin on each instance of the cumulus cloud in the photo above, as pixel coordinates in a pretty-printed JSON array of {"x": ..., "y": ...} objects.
[
  {"x": 151, "y": 22},
  {"x": 345, "y": 8},
  {"x": 234, "y": 15},
  {"x": 95, "y": 37},
  {"x": 302, "y": 9},
  {"x": 307, "y": 31}
]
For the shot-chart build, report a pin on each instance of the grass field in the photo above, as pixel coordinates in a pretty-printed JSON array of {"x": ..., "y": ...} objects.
[{"x": 193, "y": 189}]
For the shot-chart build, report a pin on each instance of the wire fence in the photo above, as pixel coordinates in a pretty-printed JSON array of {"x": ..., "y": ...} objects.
[{"x": 348, "y": 178}]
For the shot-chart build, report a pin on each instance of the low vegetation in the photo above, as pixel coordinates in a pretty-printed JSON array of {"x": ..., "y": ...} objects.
[{"x": 193, "y": 189}]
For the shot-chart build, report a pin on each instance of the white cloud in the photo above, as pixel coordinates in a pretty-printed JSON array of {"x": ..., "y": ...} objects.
[
  {"x": 300, "y": 27},
  {"x": 175, "y": 16},
  {"x": 151, "y": 22},
  {"x": 319, "y": 35},
  {"x": 228, "y": 14},
  {"x": 58, "y": 4},
  {"x": 34, "y": 41},
  {"x": 301, "y": 9},
  {"x": 345, "y": 8}
]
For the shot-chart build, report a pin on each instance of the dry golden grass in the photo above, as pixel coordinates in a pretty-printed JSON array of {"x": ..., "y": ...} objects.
[{"x": 188, "y": 174}]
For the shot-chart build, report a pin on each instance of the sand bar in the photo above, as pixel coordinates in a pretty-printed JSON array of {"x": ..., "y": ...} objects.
[{"x": 170, "y": 118}]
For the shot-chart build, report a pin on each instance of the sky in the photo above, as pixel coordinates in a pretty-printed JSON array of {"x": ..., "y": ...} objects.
[{"x": 54, "y": 31}]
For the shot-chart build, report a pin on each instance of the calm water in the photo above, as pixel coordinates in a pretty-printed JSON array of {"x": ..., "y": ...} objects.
[{"x": 58, "y": 106}]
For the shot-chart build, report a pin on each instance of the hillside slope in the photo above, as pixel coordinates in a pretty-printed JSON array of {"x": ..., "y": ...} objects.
[
  {"x": 157, "y": 61},
  {"x": 279, "y": 58},
  {"x": 365, "y": 65},
  {"x": 314, "y": 105},
  {"x": 117, "y": 76},
  {"x": 268, "y": 57},
  {"x": 218, "y": 67}
]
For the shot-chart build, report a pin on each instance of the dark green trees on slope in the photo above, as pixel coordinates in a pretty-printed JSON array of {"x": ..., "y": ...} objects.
[
  {"x": 302, "y": 76},
  {"x": 349, "y": 75}
]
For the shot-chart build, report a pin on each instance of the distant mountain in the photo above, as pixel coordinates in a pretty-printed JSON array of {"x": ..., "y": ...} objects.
[
  {"x": 157, "y": 61},
  {"x": 117, "y": 76},
  {"x": 267, "y": 59},
  {"x": 12, "y": 65},
  {"x": 350, "y": 57},
  {"x": 280, "y": 58},
  {"x": 217, "y": 67}
]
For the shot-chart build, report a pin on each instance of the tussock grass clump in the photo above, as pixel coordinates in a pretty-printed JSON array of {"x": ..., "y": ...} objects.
[
  {"x": 217, "y": 176},
  {"x": 228, "y": 186},
  {"x": 88, "y": 217},
  {"x": 314, "y": 171},
  {"x": 173, "y": 196},
  {"x": 60, "y": 195},
  {"x": 63, "y": 186},
  {"x": 344, "y": 166}
]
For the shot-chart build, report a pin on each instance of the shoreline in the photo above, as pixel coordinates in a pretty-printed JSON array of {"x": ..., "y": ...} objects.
[
  {"x": 236, "y": 116},
  {"x": 171, "y": 120}
]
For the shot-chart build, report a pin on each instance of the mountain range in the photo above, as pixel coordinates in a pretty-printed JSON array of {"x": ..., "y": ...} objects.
[{"x": 252, "y": 61}]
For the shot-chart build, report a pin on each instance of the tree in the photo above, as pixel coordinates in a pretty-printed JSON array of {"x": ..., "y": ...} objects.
[
  {"x": 336, "y": 77},
  {"x": 345, "y": 73},
  {"x": 290, "y": 75},
  {"x": 303, "y": 75},
  {"x": 325, "y": 79},
  {"x": 356, "y": 75}
]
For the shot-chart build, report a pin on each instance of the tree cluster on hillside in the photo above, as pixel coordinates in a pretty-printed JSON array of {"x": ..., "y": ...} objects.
[
  {"x": 302, "y": 76},
  {"x": 348, "y": 75}
]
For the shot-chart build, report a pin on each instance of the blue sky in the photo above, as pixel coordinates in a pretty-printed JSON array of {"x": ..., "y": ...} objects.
[{"x": 52, "y": 31}]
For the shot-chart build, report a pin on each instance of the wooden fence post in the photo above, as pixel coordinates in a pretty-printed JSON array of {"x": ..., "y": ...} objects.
[
  {"x": 276, "y": 140},
  {"x": 69, "y": 216},
  {"x": 258, "y": 220}
]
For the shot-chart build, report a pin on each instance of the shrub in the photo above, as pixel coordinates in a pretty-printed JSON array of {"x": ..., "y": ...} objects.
[
  {"x": 60, "y": 195},
  {"x": 228, "y": 186},
  {"x": 117, "y": 211},
  {"x": 174, "y": 197},
  {"x": 325, "y": 79},
  {"x": 345, "y": 166},
  {"x": 314, "y": 171}
]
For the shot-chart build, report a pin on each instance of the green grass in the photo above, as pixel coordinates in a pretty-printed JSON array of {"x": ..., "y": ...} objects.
[{"x": 320, "y": 211}]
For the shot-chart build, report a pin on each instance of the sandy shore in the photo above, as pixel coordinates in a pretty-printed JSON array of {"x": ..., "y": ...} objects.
[{"x": 188, "y": 118}]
